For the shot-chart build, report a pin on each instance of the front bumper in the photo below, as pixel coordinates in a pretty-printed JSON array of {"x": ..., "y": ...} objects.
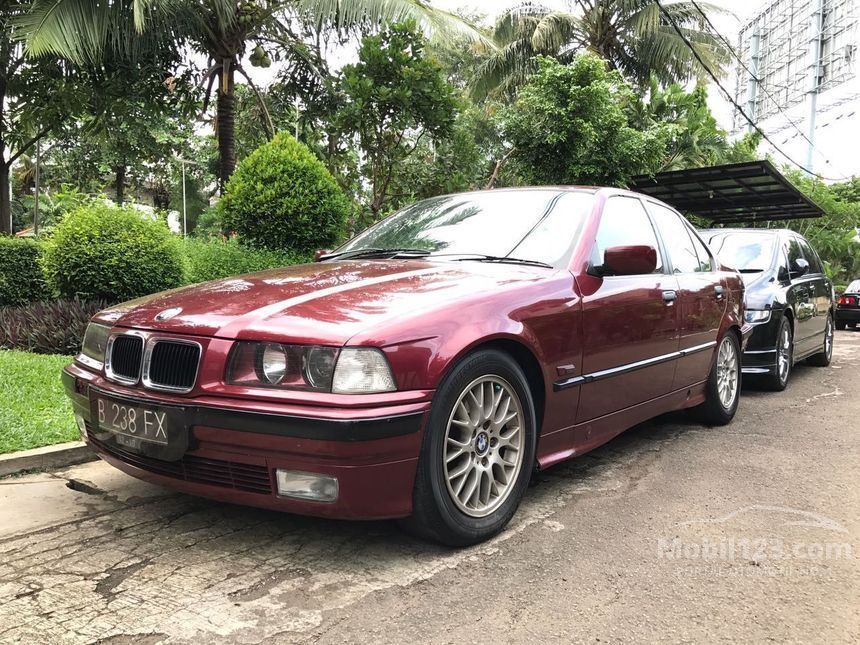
[
  {"x": 233, "y": 451},
  {"x": 759, "y": 355}
]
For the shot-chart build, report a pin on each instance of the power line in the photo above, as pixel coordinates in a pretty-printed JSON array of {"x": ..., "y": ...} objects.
[
  {"x": 731, "y": 99},
  {"x": 757, "y": 80}
]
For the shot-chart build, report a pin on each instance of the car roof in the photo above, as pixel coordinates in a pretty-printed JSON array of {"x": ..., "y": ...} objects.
[{"x": 755, "y": 231}]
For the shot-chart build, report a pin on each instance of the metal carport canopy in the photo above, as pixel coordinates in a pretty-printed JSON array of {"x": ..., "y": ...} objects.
[{"x": 740, "y": 192}]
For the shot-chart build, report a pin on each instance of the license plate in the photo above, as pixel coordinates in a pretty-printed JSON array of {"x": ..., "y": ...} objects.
[{"x": 132, "y": 422}]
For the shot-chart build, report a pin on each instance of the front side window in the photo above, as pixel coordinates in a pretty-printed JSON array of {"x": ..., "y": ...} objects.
[
  {"x": 538, "y": 225},
  {"x": 676, "y": 237},
  {"x": 811, "y": 256},
  {"x": 793, "y": 251},
  {"x": 625, "y": 223}
]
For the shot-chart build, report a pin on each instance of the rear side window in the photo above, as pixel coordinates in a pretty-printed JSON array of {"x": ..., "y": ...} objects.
[
  {"x": 679, "y": 243},
  {"x": 625, "y": 223}
]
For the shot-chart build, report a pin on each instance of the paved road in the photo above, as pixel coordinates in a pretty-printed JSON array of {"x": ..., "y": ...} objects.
[{"x": 672, "y": 532}]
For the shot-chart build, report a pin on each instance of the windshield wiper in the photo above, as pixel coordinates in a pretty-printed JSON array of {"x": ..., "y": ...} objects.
[
  {"x": 504, "y": 259},
  {"x": 750, "y": 270},
  {"x": 376, "y": 253}
]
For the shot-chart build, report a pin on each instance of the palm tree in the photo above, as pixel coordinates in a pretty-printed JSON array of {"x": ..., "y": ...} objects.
[
  {"x": 85, "y": 30},
  {"x": 632, "y": 35}
]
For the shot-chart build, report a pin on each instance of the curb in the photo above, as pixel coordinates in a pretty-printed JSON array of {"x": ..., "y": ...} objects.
[{"x": 47, "y": 458}]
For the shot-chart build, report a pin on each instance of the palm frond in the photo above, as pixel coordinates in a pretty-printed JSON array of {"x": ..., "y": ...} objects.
[
  {"x": 83, "y": 30},
  {"x": 344, "y": 14},
  {"x": 554, "y": 31}
]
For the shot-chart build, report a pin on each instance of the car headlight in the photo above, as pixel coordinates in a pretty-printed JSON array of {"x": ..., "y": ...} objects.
[
  {"x": 271, "y": 363},
  {"x": 304, "y": 367},
  {"x": 362, "y": 370},
  {"x": 94, "y": 345},
  {"x": 757, "y": 315}
]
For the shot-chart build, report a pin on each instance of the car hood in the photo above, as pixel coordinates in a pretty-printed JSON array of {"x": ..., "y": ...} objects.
[
  {"x": 324, "y": 303},
  {"x": 761, "y": 289}
]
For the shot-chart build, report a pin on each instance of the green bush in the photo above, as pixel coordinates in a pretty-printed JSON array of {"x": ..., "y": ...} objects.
[
  {"x": 47, "y": 327},
  {"x": 104, "y": 252},
  {"x": 213, "y": 259},
  {"x": 21, "y": 277},
  {"x": 282, "y": 197}
]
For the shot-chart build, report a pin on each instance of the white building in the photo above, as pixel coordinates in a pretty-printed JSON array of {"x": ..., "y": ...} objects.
[{"x": 800, "y": 70}]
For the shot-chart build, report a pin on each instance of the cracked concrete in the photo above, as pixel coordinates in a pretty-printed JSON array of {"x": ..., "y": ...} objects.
[{"x": 617, "y": 545}]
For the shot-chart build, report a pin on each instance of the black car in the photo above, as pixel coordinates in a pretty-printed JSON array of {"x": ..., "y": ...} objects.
[
  {"x": 789, "y": 300},
  {"x": 848, "y": 306}
]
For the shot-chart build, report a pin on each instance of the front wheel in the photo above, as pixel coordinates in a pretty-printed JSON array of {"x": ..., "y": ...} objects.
[
  {"x": 477, "y": 454},
  {"x": 784, "y": 359},
  {"x": 823, "y": 358},
  {"x": 722, "y": 392}
]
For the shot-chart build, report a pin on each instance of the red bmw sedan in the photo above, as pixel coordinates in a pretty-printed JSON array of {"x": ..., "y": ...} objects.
[{"x": 424, "y": 369}]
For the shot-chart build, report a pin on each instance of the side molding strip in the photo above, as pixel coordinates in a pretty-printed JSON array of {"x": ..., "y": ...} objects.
[{"x": 630, "y": 367}]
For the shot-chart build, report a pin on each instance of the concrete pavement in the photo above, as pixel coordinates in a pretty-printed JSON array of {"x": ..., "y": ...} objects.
[{"x": 672, "y": 532}]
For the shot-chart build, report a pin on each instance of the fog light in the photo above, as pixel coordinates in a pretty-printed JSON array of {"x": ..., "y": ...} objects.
[
  {"x": 82, "y": 425},
  {"x": 310, "y": 486}
]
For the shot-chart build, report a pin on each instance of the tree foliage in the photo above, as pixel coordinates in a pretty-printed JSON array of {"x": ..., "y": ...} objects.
[
  {"x": 569, "y": 126},
  {"x": 394, "y": 97},
  {"x": 631, "y": 35}
]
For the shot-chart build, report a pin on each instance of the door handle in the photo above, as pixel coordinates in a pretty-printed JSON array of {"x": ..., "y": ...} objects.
[
  {"x": 669, "y": 296},
  {"x": 718, "y": 290}
]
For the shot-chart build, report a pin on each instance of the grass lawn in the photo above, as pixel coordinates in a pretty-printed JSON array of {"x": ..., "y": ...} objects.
[{"x": 34, "y": 411}]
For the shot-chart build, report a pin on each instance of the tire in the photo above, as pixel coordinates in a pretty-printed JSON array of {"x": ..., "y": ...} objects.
[
  {"x": 784, "y": 359},
  {"x": 823, "y": 358},
  {"x": 841, "y": 325},
  {"x": 461, "y": 435},
  {"x": 717, "y": 410}
]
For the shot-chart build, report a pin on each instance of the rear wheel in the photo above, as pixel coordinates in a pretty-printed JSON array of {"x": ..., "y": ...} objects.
[
  {"x": 478, "y": 452},
  {"x": 823, "y": 358},
  {"x": 722, "y": 392},
  {"x": 841, "y": 325},
  {"x": 784, "y": 359}
]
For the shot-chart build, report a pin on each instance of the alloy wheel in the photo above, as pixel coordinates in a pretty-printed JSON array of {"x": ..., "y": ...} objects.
[
  {"x": 783, "y": 353},
  {"x": 828, "y": 339},
  {"x": 484, "y": 446},
  {"x": 727, "y": 373}
]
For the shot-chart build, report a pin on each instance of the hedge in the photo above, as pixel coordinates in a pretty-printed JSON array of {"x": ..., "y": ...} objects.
[
  {"x": 105, "y": 252},
  {"x": 282, "y": 197},
  {"x": 21, "y": 278}
]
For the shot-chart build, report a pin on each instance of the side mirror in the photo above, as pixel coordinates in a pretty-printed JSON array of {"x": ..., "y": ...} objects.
[
  {"x": 319, "y": 253},
  {"x": 629, "y": 260},
  {"x": 799, "y": 267}
]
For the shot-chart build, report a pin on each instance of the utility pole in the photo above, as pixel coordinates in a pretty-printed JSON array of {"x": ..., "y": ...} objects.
[
  {"x": 37, "y": 187},
  {"x": 816, "y": 24},
  {"x": 184, "y": 209}
]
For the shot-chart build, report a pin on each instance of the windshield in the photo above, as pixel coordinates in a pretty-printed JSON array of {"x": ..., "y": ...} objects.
[
  {"x": 744, "y": 251},
  {"x": 536, "y": 225},
  {"x": 854, "y": 287}
]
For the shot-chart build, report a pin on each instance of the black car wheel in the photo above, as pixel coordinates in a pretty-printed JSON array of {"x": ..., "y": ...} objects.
[
  {"x": 478, "y": 452},
  {"x": 840, "y": 325},
  {"x": 723, "y": 390},
  {"x": 784, "y": 358},
  {"x": 823, "y": 358}
]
